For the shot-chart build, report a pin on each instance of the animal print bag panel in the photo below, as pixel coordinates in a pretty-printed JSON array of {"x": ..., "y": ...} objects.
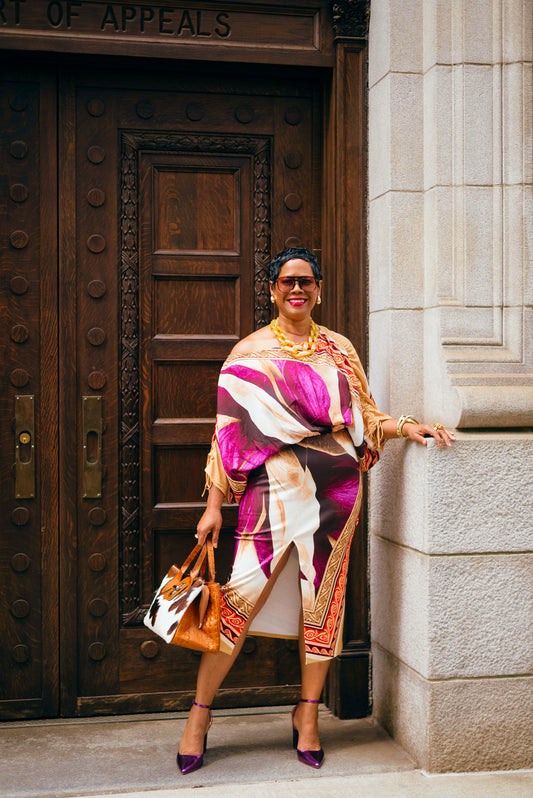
[{"x": 186, "y": 607}]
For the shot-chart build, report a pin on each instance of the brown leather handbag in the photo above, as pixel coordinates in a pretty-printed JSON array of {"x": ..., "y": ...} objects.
[{"x": 186, "y": 607}]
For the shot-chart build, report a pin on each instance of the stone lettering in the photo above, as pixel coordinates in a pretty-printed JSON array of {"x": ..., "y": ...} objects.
[
  {"x": 185, "y": 24},
  {"x": 128, "y": 13},
  {"x": 109, "y": 18},
  {"x": 199, "y": 31},
  {"x": 71, "y": 5},
  {"x": 58, "y": 12},
  {"x": 124, "y": 18},
  {"x": 147, "y": 15},
  {"x": 54, "y": 13},
  {"x": 163, "y": 20},
  {"x": 3, "y": 7},
  {"x": 225, "y": 29}
]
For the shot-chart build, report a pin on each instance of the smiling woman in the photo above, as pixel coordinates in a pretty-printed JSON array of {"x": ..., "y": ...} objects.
[{"x": 296, "y": 426}]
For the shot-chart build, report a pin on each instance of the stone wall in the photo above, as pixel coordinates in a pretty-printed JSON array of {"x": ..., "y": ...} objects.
[{"x": 451, "y": 339}]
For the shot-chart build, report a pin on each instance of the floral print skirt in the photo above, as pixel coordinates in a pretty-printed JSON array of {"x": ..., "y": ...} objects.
[{"x": 306, "y": 496}]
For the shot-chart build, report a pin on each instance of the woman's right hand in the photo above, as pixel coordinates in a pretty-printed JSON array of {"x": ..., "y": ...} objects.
[
  {"x": 211, "y": 521},
  {"x": 209, "y": 524}
]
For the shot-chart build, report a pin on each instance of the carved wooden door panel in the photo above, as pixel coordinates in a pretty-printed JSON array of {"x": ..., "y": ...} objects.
[
  {"x": 138, "y": 214},
  {"x": 180, "y": 197},
  {"x": 28, "y": 396}
]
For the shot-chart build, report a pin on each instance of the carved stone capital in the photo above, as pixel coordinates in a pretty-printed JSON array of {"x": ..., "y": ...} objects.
[
  {"x": 351, "y": 18},
  {"x": 478, "y": 227}
]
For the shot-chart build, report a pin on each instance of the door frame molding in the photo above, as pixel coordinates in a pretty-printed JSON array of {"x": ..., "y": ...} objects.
[
  {"x": 345, "y": 254},
  {"x": 257, "y": 148}
]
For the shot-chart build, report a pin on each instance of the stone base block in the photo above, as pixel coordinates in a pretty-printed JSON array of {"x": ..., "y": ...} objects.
[{"x": 455, "y": 725}]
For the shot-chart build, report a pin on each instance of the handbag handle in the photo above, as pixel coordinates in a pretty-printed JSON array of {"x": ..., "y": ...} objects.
[
  {"x": 210, "y": 558},
  {"x": 208, "y": 549},
  {"x": 195, "y": 570},
  {"x": 201, "y": 551}
]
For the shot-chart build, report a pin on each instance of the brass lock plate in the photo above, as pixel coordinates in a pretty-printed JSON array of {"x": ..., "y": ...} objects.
[
  {"x": 92, "y": 446},
  {"x": 24, "y": 447}
]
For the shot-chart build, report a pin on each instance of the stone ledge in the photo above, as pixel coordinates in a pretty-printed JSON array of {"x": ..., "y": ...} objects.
[
  {"x": 452, "y": 617},
  {"x": 455, "y": 725},
  {"x": 493, "y": 406},
  {"x": 455, "y": 501}
]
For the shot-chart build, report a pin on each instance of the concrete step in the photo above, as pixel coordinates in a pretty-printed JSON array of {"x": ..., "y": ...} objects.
[{"x": 249, "y": 754}]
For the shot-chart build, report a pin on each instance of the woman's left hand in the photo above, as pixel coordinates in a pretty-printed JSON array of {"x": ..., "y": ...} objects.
[{"x": 420, "y": 432}]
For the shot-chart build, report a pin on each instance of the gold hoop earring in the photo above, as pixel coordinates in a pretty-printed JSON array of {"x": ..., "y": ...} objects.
[
  {"x": 319, "y": 300},
  {"x": 272, "y": 299}
]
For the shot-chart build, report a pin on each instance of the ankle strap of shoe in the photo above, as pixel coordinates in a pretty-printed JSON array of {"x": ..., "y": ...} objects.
[
  {"x": 309, "y": 701},
  {"x": 202, "y": 706}
]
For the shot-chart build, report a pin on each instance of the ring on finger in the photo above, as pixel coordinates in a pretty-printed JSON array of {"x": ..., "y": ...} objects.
[{"x": 437, "y": 426}]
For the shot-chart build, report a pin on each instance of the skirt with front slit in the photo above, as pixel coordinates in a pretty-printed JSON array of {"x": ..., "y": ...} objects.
[{"x": 306, "y": 496}]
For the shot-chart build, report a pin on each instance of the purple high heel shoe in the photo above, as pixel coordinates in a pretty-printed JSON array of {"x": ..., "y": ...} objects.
[
  {"x": 314, "y": 759},
  {"x": 189, "y": 762}
]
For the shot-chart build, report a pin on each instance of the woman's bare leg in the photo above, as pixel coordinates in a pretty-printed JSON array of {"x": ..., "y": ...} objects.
[
  {"x": 306, "y": 715},
  {"x": 212, "y": 672}
]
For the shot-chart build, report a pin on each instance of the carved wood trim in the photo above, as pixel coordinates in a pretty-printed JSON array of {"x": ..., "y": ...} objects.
[
  {"x": 259, "y": 148},
  {"x": 129, "y": 383},
  {"x": 351, "y": 18}
]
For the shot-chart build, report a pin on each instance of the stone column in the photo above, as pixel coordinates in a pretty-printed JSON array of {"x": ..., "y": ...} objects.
[{"x": 451, "y": 339}]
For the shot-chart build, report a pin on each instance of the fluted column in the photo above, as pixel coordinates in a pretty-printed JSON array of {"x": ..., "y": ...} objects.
[{"x": 451, "y": 339}]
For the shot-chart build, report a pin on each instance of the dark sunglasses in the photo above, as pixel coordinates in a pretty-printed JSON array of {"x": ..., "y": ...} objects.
[{"x": 286, "y": 284}]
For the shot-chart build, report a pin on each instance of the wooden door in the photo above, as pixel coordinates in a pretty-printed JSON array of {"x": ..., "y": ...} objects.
[
  {"x": 138, "y": 215},
  {"x": 29, "y": 618},
  {"x": 180, "y": 197}
]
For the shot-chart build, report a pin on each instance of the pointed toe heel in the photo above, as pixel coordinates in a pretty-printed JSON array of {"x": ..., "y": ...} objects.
[
  {"x": 189, "y": 762},
  {"x": 314, "y": 759}
]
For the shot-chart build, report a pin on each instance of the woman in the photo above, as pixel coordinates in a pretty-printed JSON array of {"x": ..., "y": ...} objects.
[{"x": 295, "y": 426}]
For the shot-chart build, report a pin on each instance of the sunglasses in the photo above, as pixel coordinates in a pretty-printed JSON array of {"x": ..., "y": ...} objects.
[{"x": 286, "y": 284}]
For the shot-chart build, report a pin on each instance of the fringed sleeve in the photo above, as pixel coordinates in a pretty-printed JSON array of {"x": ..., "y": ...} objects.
[
  {"x": 372, "y": 417},
  {"x": 215, "y": 474}
]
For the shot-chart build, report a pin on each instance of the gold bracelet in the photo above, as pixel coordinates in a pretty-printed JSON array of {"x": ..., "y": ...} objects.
[{"x": 401, "y": 421}]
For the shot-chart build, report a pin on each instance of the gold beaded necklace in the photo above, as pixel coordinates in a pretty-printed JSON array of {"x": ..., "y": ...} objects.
[{"x": 298, "y": 350}]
